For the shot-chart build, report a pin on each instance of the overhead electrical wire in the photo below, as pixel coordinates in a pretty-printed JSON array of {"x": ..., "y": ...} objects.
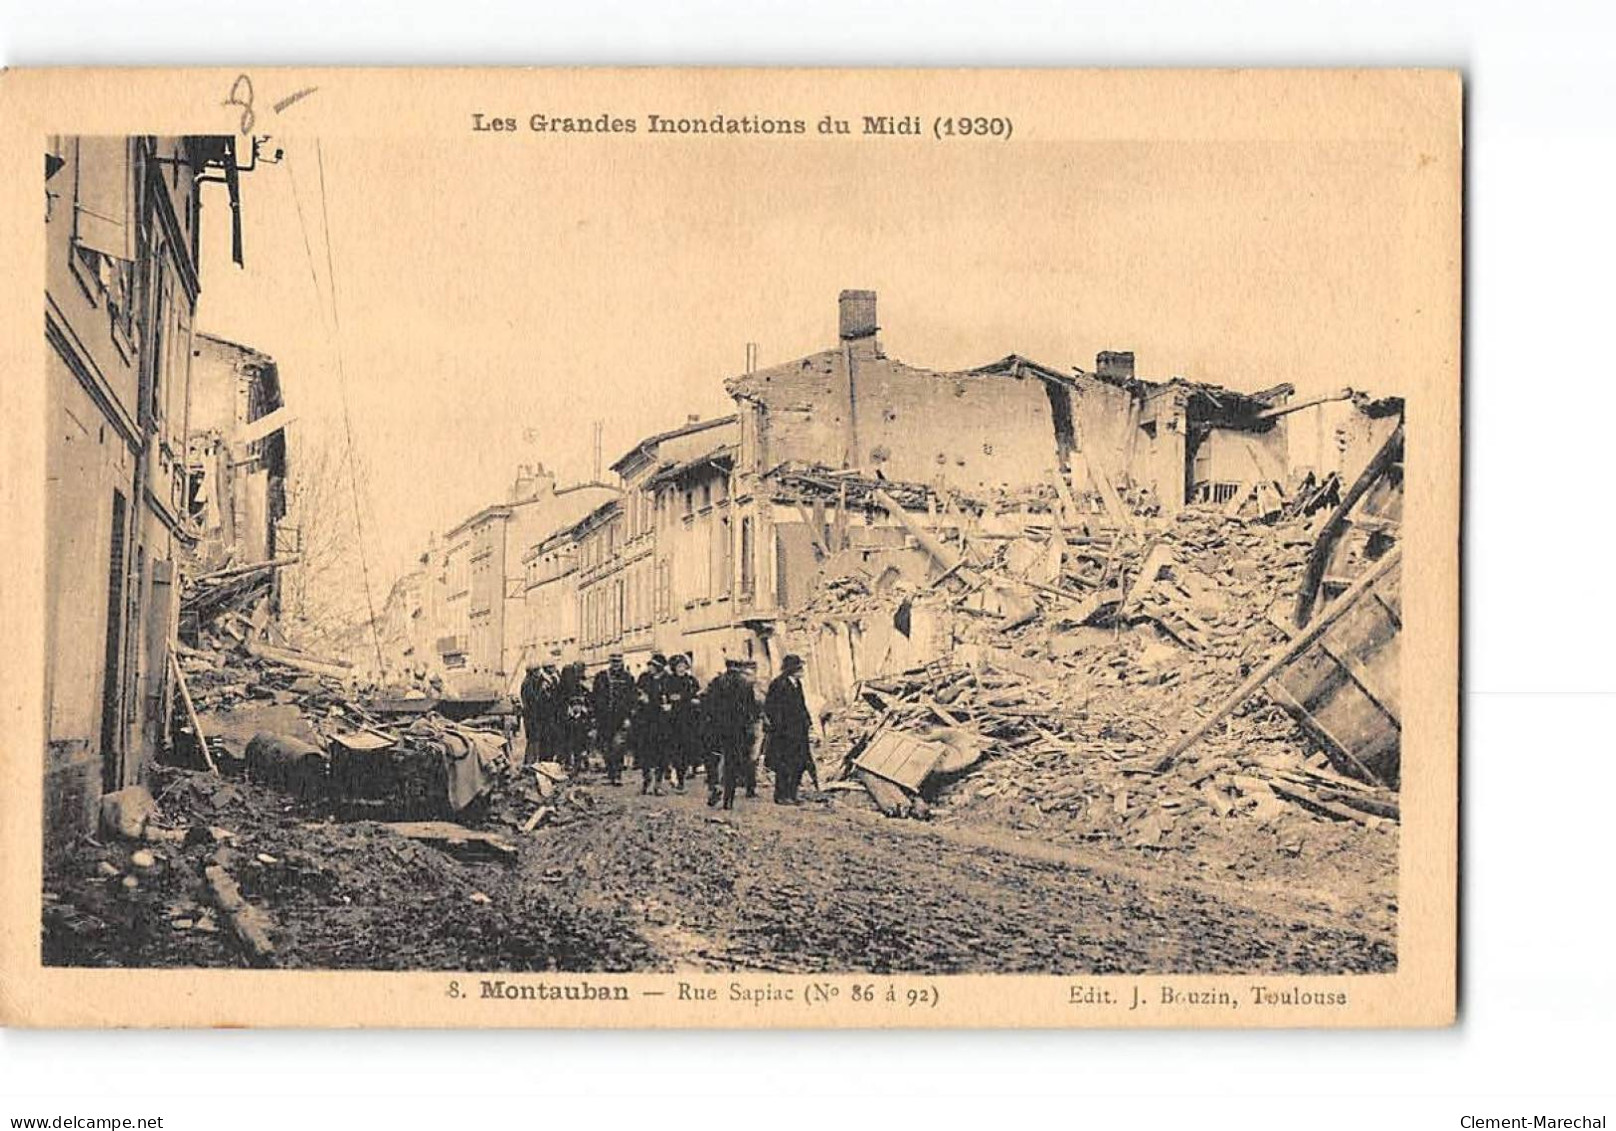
[{"x": 342, "y": 381}]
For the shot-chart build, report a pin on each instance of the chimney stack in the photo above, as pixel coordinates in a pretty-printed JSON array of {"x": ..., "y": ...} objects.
[
  {"x": 1114, "y": 363},
  {"x": 857, "y": 315}
]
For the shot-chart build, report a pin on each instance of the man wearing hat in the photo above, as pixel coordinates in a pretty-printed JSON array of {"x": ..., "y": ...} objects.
[
  {"x": 787, "y": 725},
  {"x": 552, "y": 714},
  {"x": 533, "y": 715},
  {"x": 613, "y": 700},
  {"x": 680, "y": 724},
  {"x": 648, "y": 738},
  {"x": 572, "y": 696},
  {"x": 729, "y": 711}
]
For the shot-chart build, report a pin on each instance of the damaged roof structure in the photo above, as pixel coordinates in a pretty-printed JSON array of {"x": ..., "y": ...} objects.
[
  {"x": 1006, "y": 427},
  {"x": 852, "y": 406},
  {"x": 236, "y": 453},
  {"x": 718, "y": 531}
]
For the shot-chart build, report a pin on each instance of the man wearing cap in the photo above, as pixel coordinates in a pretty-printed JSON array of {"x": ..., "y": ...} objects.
[
  {"x": 646, "y": 731},
  {"x": 729, "y": 713},
  {"x": 613, "y": 700},
  {"x": 787, "y": 725}
]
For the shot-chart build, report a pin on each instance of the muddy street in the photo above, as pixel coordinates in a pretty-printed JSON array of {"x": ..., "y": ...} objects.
[
  {"x": 822, "y": 887},
  {"x": 646, "y": 883}
]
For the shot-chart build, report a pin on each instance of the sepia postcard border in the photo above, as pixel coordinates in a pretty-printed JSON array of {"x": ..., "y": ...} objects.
[{"x": 1417, "y": 109}]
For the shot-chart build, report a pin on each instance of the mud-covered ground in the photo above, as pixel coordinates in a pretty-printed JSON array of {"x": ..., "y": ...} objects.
[{"x": 665, "y": 883}]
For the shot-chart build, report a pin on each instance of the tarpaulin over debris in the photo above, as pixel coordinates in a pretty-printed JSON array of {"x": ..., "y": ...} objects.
[{"x": 474, "y": 759}]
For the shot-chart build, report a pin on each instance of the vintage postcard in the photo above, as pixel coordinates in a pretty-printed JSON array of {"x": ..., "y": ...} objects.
[{"x": 703, "y": 548}]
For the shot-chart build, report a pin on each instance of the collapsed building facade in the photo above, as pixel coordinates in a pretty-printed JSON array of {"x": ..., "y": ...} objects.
[
  {"x": 718, "y": 532},
  {"x": 122, "y": 232},
  {"x": 236, "y": 455}
]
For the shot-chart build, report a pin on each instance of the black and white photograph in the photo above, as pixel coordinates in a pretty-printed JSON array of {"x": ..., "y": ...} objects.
[{"x": 630, "y": 528}]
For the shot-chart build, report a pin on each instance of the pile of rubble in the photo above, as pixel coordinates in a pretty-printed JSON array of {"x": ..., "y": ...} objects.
[
  {"x": 252, "y": 705},
  {"x": 237, "y": 674},
  {"x": 1056, "y": 721},
  {"x": 214, "y": 872}
]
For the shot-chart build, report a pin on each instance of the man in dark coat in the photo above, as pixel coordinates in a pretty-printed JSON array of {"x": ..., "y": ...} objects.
[
  {"x": 681, "y": 726},
  {"x": 552, "y": 715},
  {"x": 650, "y": 745},
  {"x": 573, "y": 697},
  {"x": 729, "y": 715},
  {"x": 788, "y": 725},
  {"x": 532, "y": 715},
  {"x": 613, "y": 700}
]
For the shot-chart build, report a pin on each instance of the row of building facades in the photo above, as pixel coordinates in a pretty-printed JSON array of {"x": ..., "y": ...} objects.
[
  {"x": 706, "y": 541},
  {"x": 164, "y": 450}
]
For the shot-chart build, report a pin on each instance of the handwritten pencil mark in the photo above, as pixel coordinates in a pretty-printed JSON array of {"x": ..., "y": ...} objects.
[
  {"x": 291, "y": 98},
  {"x": 241, "y": 94}
]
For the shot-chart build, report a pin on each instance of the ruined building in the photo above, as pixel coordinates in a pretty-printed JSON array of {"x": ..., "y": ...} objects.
[
  {"x": 723, "y": 529},
  {"x": 122, "y": 233},
  {"x": 852, "y": 406},
  {"x": 236, "y": 455}
]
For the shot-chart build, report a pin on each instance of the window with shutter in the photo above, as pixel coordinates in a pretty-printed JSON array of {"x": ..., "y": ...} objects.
[{"x": 103, "y": 207}]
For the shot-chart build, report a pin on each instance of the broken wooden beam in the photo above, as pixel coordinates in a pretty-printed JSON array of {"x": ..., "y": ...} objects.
[
  {"x": 1310, "y": 800},
  {"x": 250, "y": 924},
  {"x": 814, "y": 530},
  {"x": 289, "y": 657},
  {"x": 244, "y": 570},
  {"x": 889, "y": 797},
  {"x": 1292, "y": 649},
  {"x": 946, "y": 716},
  {"x": 1374, "y": 806},
  {"x": 539, "y": 816},
  {"x": 941, "y": 554},
  {"x": 1069, "y": 513},
  {"x": 190, "y": 712},
  {"x": 1286, "y": 410},
  {"x": 1114, "y": 506}
]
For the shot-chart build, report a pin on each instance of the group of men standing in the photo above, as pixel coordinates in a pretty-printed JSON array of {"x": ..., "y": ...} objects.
[
  {"x": 670, "y": 726},
  {"x": 555, "y": 714}
]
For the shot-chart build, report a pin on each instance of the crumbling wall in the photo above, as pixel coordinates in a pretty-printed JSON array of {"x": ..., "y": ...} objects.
[
  {"x": 1106, "y": 425},
  {"x": 975, "y": 432},
  {"x": 796, "y": 566},
  {"x": 1236, "y": 455},
  {"x": 971, "y": 431},
  {"x": 803, "y": 415},
  {"x": 218, "y": 400},
  {"x": 1161, "y": 450},
  {"x": 840, "y": 652},
  {"x": 1336, "y": 436}
]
